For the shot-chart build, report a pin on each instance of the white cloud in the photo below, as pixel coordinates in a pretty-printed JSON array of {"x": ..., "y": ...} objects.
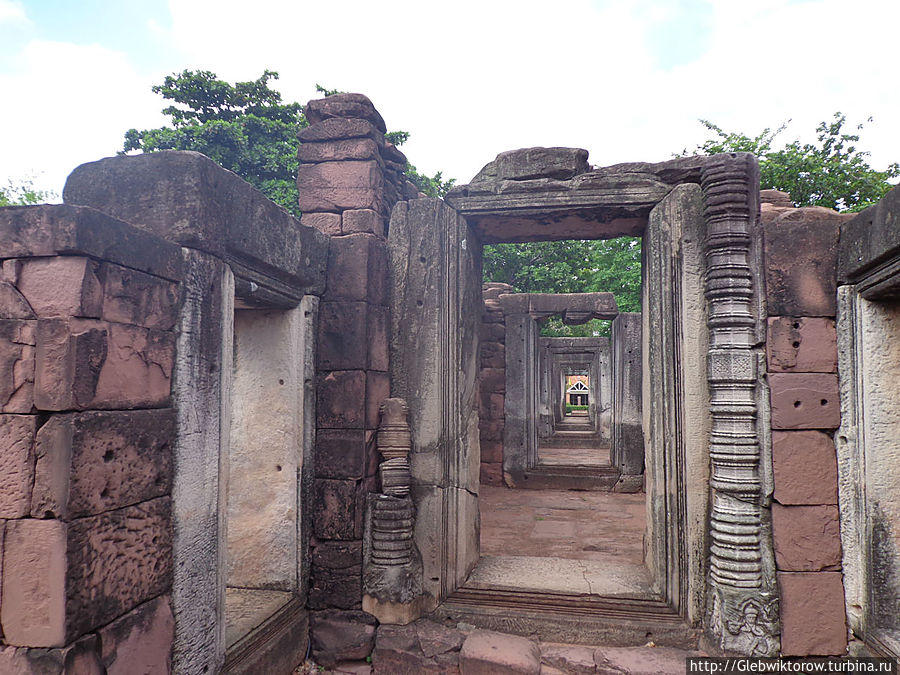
[
  {"x": 12, "y": 12},
  {"x": 68, "y": 104}
]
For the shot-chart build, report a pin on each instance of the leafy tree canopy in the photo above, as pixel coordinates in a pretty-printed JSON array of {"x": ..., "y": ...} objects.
[
  {"x": 23, "y": 193},
  {"x": 245, "y": 127},
  {"x": 573, "y": 266},
  {"x": 832, "y": 173}
]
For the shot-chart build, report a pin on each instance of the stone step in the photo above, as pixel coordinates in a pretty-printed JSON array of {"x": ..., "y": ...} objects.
[{"x": 562, "y": 477}]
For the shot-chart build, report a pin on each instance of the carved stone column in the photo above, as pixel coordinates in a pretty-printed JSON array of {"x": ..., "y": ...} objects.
[
  {"x": 392, "y": 566},
  {"x": 742, "y": 598}
]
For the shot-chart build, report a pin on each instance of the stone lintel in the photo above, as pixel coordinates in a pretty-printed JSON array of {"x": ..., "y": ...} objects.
[
  {"x": 61, "y": 229},
  {"x": 869, "y": 252},
  {"x": 534, "y": 203},
  {"x": 574, "y": 307},
  {"x": 187, "y": 198}
]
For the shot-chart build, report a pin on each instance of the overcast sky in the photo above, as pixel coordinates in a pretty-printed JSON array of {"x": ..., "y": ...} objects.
[{"x": 626, "y": 80}]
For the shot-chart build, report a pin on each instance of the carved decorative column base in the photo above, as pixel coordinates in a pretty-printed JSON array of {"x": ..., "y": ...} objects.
[{"x": 392, "y": 566}]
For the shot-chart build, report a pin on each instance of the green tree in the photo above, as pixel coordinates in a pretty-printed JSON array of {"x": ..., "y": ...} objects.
[
  {"x": 245, "y": 127},
  {"x": 832, "y": 173},
  {"x": 572, "y": 266},
  {"x": 23, "y": 193}
]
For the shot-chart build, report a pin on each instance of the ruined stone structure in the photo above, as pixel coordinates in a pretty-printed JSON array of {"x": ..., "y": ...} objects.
[{"x": 205, "y": 467}]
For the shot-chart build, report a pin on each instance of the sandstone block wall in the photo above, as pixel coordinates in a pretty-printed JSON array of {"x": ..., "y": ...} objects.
[
  {"x": 349, "y": 180},
  {"x": 88, "y": 307},
  {"x": 801, "y": 247},
  {"x": 493, "y": 384}
]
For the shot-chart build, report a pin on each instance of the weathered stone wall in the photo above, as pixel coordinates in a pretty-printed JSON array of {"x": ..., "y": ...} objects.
[
  {"x": 349, "y": 180},
  {"x": 88, "y": 308},
  {"x": 493, "y": 384},
  {"x": 801, "y": 248}
]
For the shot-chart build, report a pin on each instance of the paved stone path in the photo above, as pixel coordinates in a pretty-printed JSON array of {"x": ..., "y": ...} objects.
[{"x": 604, "y": 527}]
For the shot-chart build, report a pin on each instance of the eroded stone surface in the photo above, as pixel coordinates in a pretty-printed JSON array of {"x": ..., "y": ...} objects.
[
  {"x": 805, "y": 465},
  {"x": 117, "y": 560},
  {"x": 140, "y": 641},
  {"x": 16, "y": 464},
  {"x": 812, "y": 614},
  {"x": 528, "y": 163},
  {"x": 354, "y": 106},
  {"x": 61, "y": 286},
  {"x": 805, "y": 401},
  {"x": 133, "y": 297},
  {"x": 338, "y": 635},
  {"x": 92, "y": 462},
  {"x": 33, "y": 612},
  {"x": 17, "y": 365},
  {"x": 488, "y": 653},
  {"x": 338, "y": 150},
  {"x": 807, "y": 538},
  {"x": 801, "y": 345},
  {"x": 13, "y": 304},
  {"x": 335, "y": 186},
  {"x": 801, "y": 280}
]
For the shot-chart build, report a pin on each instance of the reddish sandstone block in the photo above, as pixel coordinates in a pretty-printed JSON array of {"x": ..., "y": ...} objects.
[
  {"x": 378, "y": 388},
  {"x": 341, "y": 400},
  {"x": 343, "y": 335},
  {"x": 805, "y": 401},
  {"x": 338, "y": 128},
  {"x": 13, "y": 304},
  {"x": 801, "y": 344},
  {"x": 62, "y": 286},
  {"x": 92, "y": 462},
  {"x": 490, "y": 430},
  {"x": 341, "y": 453},
  {"x": 140, "y": 641},
  {"x": 493, "y": 355},
  {"x": 362, "y": 220},
  {"x": 355, "y": 106},
  {"x": 805, "y": 465},
  {"x": 16, "y": 464},
  {"x": 17, "y": 362},
  {"x": 338, "y": 150},
  {"x": 807, "y": 538},
  {"x": 801, "y": 262},
  {"x": 493, "y": 380},
  {"x": 812, "y": 614},
  {"x": 491, "y": 451},
  {"x": 68, "y": 360},
  {"x": 335, "y": 186},
  {"x": 493, "y": 332},
  {"x": 328, "y": 223},
  {"x": 379, "y": 338},
  {"x": 357, "y": 269},
  {"x": 117, "y": 560},
  {"x": 492, "y": 406},
  {"x": 80, "y": 658},
  {"x": 133, "y": 297},
  {"x": 137, "y": 371},
  {"x": 33, "y": 613},
  {"x": 335, "y": 514}
]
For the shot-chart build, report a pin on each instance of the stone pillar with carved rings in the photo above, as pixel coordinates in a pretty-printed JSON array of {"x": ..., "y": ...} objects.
[
  {"x": 742, "y": 598},
  {"x": 392, "y": 566}
]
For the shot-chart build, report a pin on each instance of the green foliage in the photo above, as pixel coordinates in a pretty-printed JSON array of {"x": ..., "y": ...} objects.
[
  {"x": 23, "y": 193},
  {"x": 248, "y": 129},
  {"x": 832, "y": 172},
  {"x": 245, "y": 127},
  {"x": 572, "y": 266},
  {"x": 571, "y": 408}
]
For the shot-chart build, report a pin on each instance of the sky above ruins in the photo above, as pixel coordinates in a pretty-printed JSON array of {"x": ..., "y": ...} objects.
[{"x": 626, "y": 80}]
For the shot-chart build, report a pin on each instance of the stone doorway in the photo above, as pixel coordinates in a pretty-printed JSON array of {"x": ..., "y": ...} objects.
[{"x": 700, "y": 393}]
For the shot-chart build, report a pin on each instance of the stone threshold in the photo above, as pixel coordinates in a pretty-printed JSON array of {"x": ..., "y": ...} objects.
[
  {"x": 277, "y": 644},
  {"x": 569, "y": 477}
]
